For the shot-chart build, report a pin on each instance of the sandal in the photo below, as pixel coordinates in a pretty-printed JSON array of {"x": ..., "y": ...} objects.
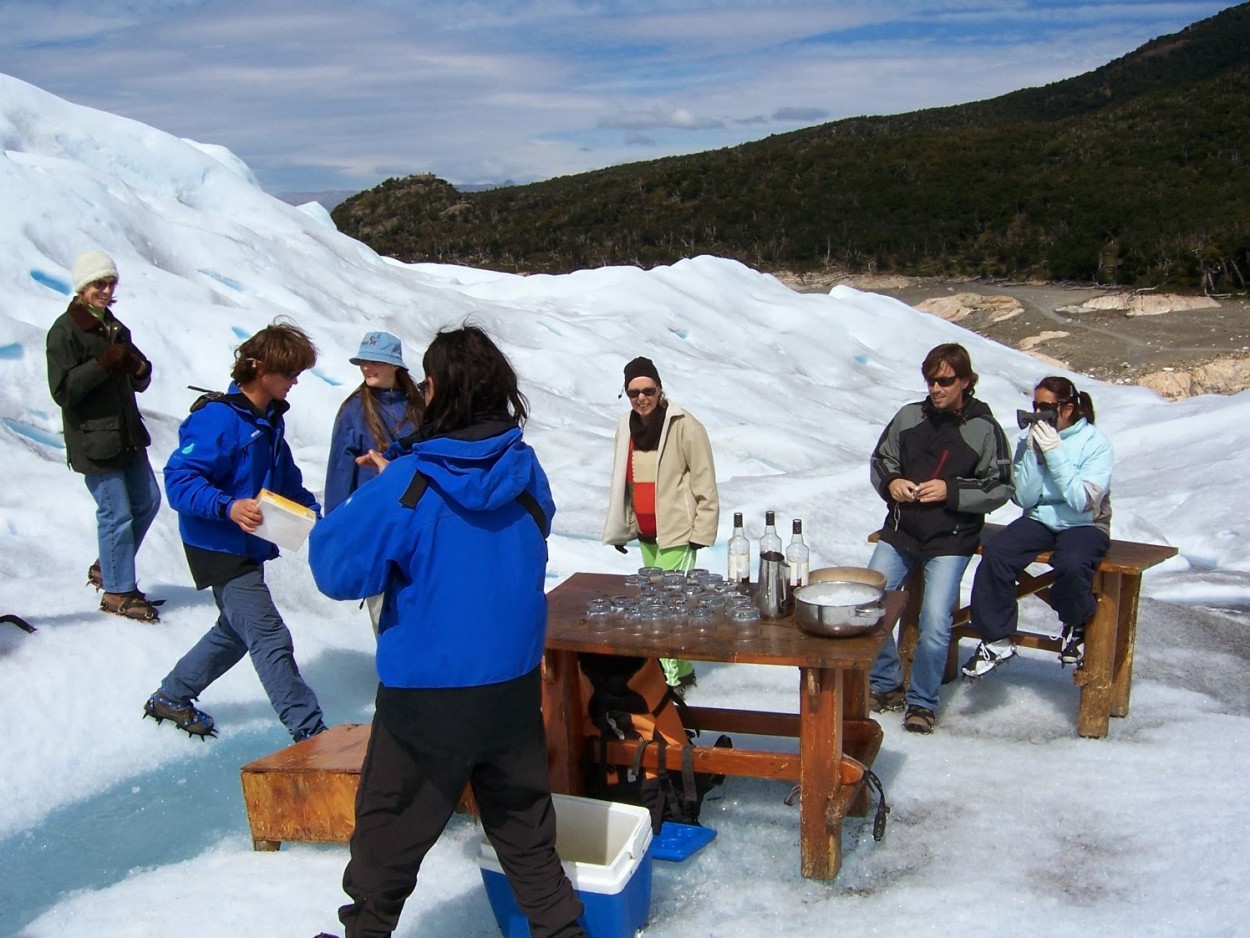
[
  {"x": 919, "y": 720},
  {"x": 132, "y": 605}
]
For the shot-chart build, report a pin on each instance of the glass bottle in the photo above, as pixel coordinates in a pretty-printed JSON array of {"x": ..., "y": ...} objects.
[
  {"x": 770, "y": 542},
  {"x": 739, "y": 553},
  {"x": 798, "y": 556}
]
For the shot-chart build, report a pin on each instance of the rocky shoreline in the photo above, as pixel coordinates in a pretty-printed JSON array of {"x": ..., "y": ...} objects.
[{"x": 1179, "y": 345}]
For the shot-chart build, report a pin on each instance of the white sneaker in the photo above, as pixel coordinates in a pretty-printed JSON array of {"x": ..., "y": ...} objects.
[{"x": 988, "y": 656}]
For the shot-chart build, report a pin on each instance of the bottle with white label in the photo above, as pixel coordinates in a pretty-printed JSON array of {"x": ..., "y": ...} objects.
[
  {"x": 770, "y": 542},
  {"x": 798, "y": 556},
  {"x": 739, "y": 553}
]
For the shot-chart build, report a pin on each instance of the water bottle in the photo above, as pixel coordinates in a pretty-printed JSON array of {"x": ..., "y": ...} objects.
[
  {"x": 798, "y": 556},
  {"x": 739, "y": 553}
]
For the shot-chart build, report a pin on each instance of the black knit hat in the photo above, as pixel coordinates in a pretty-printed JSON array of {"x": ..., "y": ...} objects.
[{"x": 639, "y": 368}]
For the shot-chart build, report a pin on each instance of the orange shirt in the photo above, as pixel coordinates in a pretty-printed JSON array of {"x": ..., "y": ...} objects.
[{"x": 640, "y": 472}]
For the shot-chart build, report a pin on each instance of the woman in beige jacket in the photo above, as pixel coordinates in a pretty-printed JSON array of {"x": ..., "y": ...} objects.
[{"x": 663, "y": 491}]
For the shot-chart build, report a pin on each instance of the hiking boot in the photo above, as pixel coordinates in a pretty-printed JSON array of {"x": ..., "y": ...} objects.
[
  {"x": 988, "y": 656},
  {"x": 95, "y": 577},
  {"x": 315, "y": 731},
  {"x": 192, "y": 721},
  {"x": 1073, "y": 646},
  {"x": 132, "y": 605},
  {"x": 919, "y": 720},
  {"x": 880, "y": 701}
]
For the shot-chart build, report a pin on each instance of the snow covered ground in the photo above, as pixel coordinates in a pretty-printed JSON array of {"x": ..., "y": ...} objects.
[{"x": 1003, "y": 821}]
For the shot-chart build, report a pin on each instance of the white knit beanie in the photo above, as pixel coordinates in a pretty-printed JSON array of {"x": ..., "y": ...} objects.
[{"x": 90, "y": 267}]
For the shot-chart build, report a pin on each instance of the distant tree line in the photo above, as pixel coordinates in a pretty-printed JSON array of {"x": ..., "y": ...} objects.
[{"x": 1133, "y": 174}]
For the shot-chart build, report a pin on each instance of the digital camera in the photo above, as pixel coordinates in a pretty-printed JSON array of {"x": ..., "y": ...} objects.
[{"x": 1025, "y": 418}]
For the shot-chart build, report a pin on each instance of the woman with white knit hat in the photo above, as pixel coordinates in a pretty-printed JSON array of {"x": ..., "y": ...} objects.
[{"x": 94, "y": 372}]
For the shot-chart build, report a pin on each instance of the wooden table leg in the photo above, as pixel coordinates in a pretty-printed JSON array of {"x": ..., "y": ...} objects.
[
  {"x": 1126, "y": 641},
  {"x": 562, "y": 716},
  {"x": 1094, "y": 677},
  {"x": 820, "y": 760}
]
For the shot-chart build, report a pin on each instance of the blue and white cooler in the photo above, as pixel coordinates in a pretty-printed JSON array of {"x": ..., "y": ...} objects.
[{"x": 606, "y": 851}]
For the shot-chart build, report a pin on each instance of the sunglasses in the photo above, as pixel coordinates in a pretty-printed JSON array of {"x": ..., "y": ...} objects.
[
  {"x": 632, "y": 393},
  {"x": 422, "y": 386},
  {"x": 942, "y": 382},
  {"x": 107, "y": 283},
  {"x": 291, "y": 375},
  {"x": 1049, "y": 405}
]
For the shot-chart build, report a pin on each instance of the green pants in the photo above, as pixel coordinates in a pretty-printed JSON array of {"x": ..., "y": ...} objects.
[{"x": 670, "y": 558}]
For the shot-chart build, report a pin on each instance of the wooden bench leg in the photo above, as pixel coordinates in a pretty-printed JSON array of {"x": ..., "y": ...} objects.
[
  {"x": 1129, "y": 590},
  {"x": 820, "y": 754},
  {"x": 1094, "y": 677}
]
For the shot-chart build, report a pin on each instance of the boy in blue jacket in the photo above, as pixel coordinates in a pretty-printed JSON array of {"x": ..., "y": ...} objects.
[{"x": 229, "y": 448}]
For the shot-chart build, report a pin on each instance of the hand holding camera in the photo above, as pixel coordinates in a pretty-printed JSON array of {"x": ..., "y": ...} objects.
[{"x": 1044, "y": 437}]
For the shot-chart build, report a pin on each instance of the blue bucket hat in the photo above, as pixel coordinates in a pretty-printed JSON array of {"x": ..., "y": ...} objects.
[{"x": 380, "y": 347}]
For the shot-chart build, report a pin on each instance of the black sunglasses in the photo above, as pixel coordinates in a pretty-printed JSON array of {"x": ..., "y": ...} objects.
[
  {"x": 421, "y": 386},
  {"x": 943, "y": 382},
  {"x": 632, "y": 393},
  {"x": 1049, "y": 405}
]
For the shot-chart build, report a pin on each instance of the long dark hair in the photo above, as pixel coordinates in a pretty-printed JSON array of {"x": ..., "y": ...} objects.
[
  {"x": 472, "y": 380},
  {"x": 1066, "y": 393},
  {"x": 413, "y": 408}
]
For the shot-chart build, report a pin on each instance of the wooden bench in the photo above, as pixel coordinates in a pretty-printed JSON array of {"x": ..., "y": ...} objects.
[
  {"x": 307, "y": 791},
  {"x": 1106, "y": 677}
]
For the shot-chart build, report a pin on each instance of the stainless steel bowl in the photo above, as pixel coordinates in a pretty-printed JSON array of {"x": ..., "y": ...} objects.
[{"x": 819, "y": 611}]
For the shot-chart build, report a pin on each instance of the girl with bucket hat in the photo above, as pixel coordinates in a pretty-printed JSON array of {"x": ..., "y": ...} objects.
[{"x": 384, "y": 408}]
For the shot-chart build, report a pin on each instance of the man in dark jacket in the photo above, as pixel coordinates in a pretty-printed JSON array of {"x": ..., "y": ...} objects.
[
  {"x": 94, "y": 371},
  {"x": 941, "y": 465}
]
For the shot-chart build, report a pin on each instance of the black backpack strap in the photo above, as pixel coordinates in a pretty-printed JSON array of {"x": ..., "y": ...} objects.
[
  {"x": 420, "y": 482},
  {"x": 530, "y": 504},
  {"x": 416, "y": 488}
]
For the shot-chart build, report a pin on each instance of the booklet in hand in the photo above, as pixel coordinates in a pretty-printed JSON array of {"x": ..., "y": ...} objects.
[{"x": 286, "y": 523}]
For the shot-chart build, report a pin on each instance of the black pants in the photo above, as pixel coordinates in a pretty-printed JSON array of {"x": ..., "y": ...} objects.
[
  {"x": 1075, "y": 555},
  {"x": 426, "y": 744}
]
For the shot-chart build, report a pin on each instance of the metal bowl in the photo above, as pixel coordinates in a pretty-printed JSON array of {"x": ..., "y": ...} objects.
[{"x": 819, "y": 611}]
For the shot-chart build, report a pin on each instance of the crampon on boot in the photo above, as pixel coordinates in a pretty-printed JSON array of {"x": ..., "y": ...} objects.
[
  {"x": 95, "y": 577},
  {"x": 182, "y": 714},
  {"x": 132, "y": 605}
]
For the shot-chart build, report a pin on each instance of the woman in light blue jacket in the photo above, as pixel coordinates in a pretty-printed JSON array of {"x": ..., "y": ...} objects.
[{"x": 1062, "y": 476}]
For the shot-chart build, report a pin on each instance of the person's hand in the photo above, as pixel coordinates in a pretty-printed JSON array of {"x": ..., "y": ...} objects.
[
  {"x": 620, "y": 548},
  {"x": 246, "y": 513},
  {"x": 903, "y": 491},
  {"x": 373, "y": 458},
  {"x": 1044, "y": 437},
  {"x": 113, "y": 358},
  {"x": 133, "y": 362},
  {"x": 932, "y": 491}
]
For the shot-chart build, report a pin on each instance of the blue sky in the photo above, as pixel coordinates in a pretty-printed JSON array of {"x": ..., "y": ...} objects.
[{"x": 330, "y": 94}]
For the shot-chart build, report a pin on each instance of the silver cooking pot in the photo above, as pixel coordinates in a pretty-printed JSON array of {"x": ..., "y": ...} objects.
[{"x": 840, "y": 601}]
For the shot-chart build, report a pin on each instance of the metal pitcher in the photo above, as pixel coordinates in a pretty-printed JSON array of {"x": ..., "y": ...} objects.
[{"x": 773, "y": 595}]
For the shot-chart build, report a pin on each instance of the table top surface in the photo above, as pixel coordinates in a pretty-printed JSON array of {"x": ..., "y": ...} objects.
[{"x": 780, "y": 641}]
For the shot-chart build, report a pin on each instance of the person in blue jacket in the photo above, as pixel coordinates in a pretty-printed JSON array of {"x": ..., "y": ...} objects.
[
  {"x": 1062, "y": 474},
  {"x": 229, "y": 448},
  {"x": 454, "y": 535},
  {"x": 385, "y": 408}
]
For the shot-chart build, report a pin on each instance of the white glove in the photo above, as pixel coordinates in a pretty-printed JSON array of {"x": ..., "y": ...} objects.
[{"x": 1044, "y": 436}]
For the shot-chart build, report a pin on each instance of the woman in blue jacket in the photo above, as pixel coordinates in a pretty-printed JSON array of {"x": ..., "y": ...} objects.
[
  {"x": 383, "y": 409},
  {"x": 454, "y": 535},
  {"x": 1062, "y": 475},
  {"x": 229, "y": 448}
]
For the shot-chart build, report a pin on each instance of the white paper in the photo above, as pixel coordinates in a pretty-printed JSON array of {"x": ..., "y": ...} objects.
[{"x": 286, "y": 523}]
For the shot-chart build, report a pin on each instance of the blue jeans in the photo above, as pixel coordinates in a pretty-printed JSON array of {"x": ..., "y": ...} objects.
[
  {"x": 942, "y": 576},
  {"x": 126, "y": 504},
  {"x": 249, "y": 624}
]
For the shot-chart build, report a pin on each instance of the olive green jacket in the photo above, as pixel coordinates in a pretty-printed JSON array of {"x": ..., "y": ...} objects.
[{"x": 103, "y": 427}]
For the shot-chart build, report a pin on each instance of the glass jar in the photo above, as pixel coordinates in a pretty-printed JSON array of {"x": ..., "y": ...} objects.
[
  {"x": 745, "y": 623},
  {"x": 651, "y": 573}
]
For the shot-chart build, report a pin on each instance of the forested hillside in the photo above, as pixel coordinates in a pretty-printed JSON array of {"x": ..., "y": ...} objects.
[{"x": 1134, "y": 173}]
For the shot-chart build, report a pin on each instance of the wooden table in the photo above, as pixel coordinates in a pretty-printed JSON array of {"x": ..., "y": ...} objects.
[
  {"x": 1106, "y": 678},
  {"x": 832, "y": 719}
]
